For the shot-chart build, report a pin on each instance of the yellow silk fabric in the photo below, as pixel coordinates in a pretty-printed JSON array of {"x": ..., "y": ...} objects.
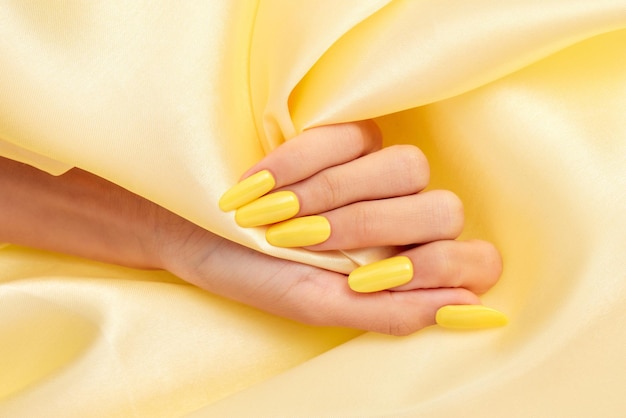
[{"x": 519, "y": 106}]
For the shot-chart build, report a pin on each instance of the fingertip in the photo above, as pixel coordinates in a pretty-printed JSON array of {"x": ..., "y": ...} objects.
[
  {"x": 470, "y": 317},
  {"x": 269, "y": 209},
  {"x": 247, "y": 190},
  {"x": 381, "y": 275},
  {"x": 299, "y": 232}
]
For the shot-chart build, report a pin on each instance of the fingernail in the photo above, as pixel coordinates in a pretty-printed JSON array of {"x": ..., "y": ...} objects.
[
  {"x": 470, "y": 317},
  {"x": 268, "y": 209},
  {"x": 247, "y": 190},
  {"x": 299, "y": 232},
  {"x": 381, "y": 275}
]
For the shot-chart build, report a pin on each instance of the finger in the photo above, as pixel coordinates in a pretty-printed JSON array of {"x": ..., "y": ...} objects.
[
  {"x": 394, "y": 313},
  {"x": 317, "y": 149},
  {"x": 475, "y": 265},
  {"x": 406, "y": 220},
  {"x": 395, "y": 171}
]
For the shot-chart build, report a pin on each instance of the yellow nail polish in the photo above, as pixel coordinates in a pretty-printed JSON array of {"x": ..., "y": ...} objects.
[
  {"x": 299, "y": 232},
  {"x": 247, "y": 190},
  {"x": 381, "y": 275},
  {"x": 268, "y": 209},
  {"x": 470, "y": 317}
]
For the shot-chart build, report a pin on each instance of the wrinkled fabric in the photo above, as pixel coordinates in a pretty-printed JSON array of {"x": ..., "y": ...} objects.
[{"x": 518, "y": 105}]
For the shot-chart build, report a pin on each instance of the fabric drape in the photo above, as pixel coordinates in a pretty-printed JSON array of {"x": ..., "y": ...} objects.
[{"x": 519, "y": 106}]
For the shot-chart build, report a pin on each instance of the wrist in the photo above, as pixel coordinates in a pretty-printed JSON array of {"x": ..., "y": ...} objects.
[{"x": 178, "y": 245}]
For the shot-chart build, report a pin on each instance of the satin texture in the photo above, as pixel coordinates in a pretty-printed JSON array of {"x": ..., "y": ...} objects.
[{"x": 518, "y": 105}]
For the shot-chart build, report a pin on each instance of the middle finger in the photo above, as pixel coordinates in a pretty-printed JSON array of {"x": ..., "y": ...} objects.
[{"x": 414, "y": 219}]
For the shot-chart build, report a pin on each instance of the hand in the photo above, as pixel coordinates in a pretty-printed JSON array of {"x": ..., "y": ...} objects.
[
  {"x": 81, "y": 214},
  {"x": 346, "y": 192}
]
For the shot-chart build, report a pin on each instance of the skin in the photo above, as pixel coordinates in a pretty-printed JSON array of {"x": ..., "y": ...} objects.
[{"x": 338, "y": 171}]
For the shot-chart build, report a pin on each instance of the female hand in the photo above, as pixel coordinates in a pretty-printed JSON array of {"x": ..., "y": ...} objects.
[{"x": 333, "y": 187}]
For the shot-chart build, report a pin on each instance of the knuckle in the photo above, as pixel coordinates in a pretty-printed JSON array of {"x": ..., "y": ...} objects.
[
  {"x": 445, "y": 267},
  {"x": 400, "y": 328},
  {"x": 411, "y": 163},
  {"x": 365, "y": 224},
  {"x": 330, "y": 193},
  {"x": 397, "y": 320},
  {"x": 492, "y": 264},
  {"x": 450, "y": 213},
  {"x": 403, "y": 316},
  {"x": 372, "y": 134},
  {"x": 365, "y": 135}
]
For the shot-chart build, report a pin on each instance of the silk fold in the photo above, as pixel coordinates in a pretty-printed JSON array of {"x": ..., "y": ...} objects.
[{"x": 519, "y": 107}]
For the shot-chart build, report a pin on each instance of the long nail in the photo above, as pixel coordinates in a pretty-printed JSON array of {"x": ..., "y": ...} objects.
[
  {"x": 381, "y": 275},
  {"x": 268, "y": 209},
  {"x": 470, "y": 317},
  {"x": 299, "y": 232},
  {"x": 247, "y": 190}
]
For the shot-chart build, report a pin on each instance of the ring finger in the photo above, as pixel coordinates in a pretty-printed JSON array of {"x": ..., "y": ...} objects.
[{"x": 474, "y": 265}]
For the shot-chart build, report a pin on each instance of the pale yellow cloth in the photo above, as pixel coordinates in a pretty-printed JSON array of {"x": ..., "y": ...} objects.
[{"x": 519, "y": 106}]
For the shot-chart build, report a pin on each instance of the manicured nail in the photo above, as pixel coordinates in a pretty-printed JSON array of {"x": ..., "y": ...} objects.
[
  {"x": 381, "y": 275},
  {"x": 268, "y": 209},
  {"x": 247, "y": 190},
  {"x": 470, "y": 317},
  {"x": 299, "y": 232}
]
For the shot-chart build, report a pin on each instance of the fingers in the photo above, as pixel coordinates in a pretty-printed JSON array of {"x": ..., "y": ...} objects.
[
  {"x": 392, "y": 172},
  {"x": 333, "y": 188},
  {"x": 302, "y": 157},
  {"x": 395, "y": 171},
  {"x": 319, "y": 297}
]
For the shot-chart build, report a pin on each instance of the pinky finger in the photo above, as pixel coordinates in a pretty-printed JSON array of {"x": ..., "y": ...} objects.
[{"x": 395, "y": 313}]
